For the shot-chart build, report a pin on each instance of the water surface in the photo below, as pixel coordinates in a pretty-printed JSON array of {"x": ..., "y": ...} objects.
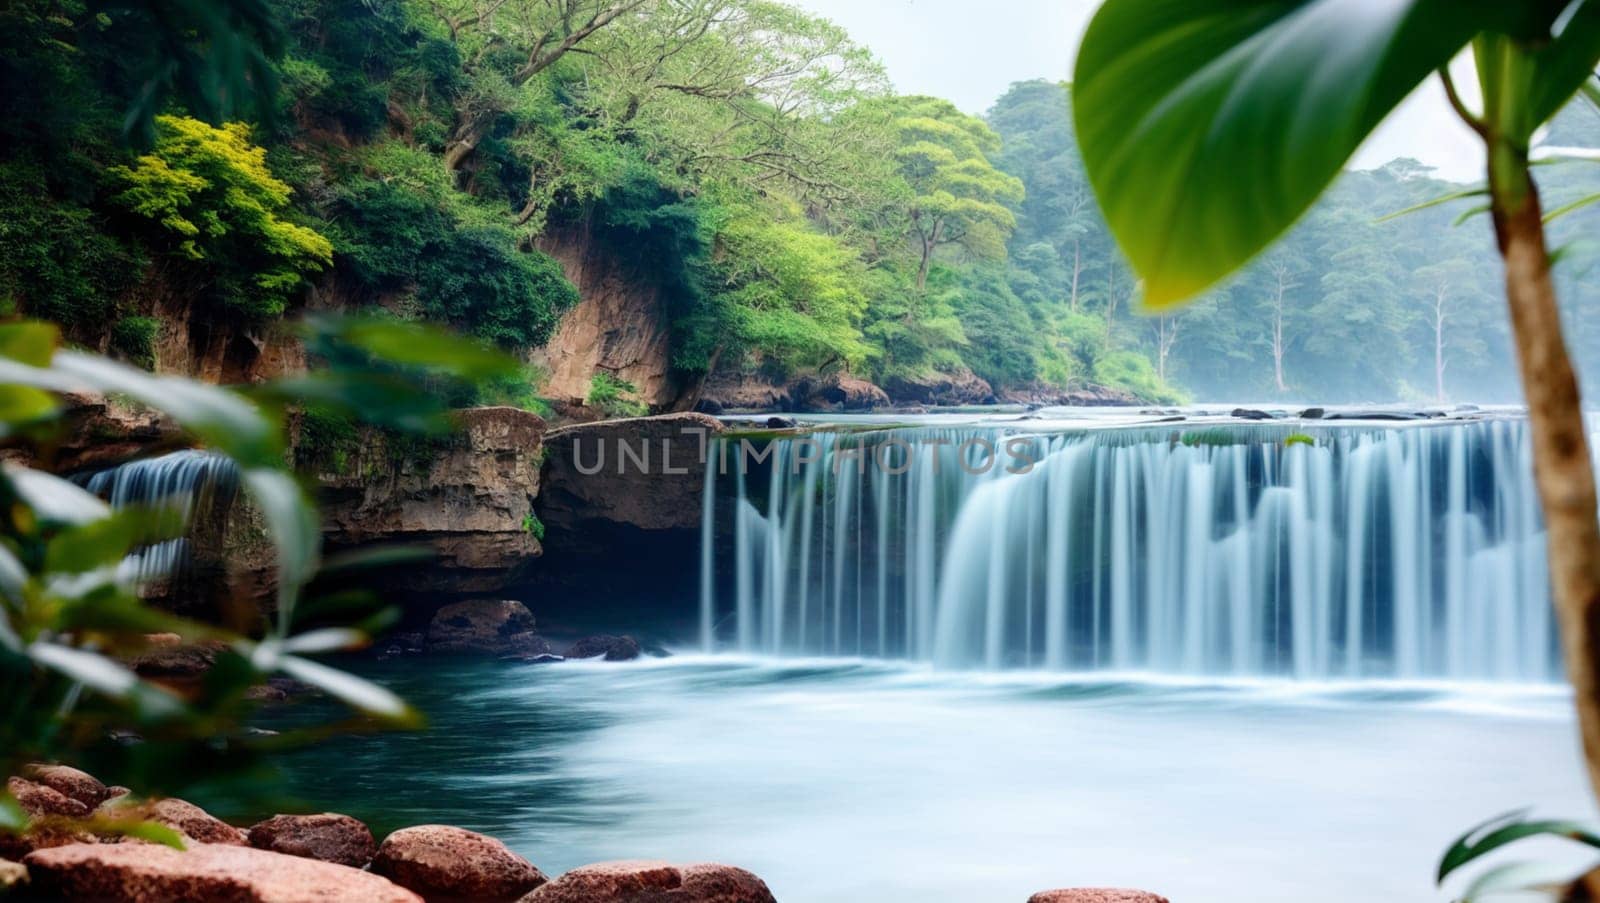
[{"x": 848, "y": 780}]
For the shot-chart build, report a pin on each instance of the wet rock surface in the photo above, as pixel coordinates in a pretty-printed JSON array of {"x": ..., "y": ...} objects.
[
  {"x": 491, "y": 628},
  {"x": 443, "y": 863},
  {"x": 328, "y": 837},
  {"x": 1095, "y": 895},
  {"x": 657, "y": 882},
  {"x": 204, "y": 873},
  {"x": 611, "y": 648}
]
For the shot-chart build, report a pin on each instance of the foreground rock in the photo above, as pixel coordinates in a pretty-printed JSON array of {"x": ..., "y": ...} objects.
[
  {"x": 13, "y": 876},
  {"x": 1095, "y": 895},
  {"x": 328, "y": 837},
  {"x": 657, "y": 882},
  {"x": 611, "y": 648},
  {"x": 192, "y": 821},
  {"x": 149, "y": 873},
  {"x": 45, "y": 806},
  {"x": 71, "y": 783},
  {"x": 445, "y": 863},
  {"x": 499, "y": 628}
]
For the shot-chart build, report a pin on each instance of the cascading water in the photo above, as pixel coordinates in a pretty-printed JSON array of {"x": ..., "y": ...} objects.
[
  {"x": 1356, "y": 552},
  {"x": 198, "y": 484}
]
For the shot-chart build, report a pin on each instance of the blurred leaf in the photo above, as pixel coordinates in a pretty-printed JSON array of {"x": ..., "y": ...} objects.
[
  {"x": 1505, "y": 829},
  {"x": 108, "y": 540},
  {"x": 25, "y": 404},
  {"x": 12, "y": 818},
  {"x": 414, "y": 344},
  {"x": 1565, "y": 63},
  {"x": 1208, "y": 127},
  {"x": 1571, "y": 206},
  {"x": 1514, "y": 877},
  {"x": 52, "y": 499},
  {"x": 355, "y": 561},
  {"x": 31, "y": 342},
  {"x": 380, "y": 399},
  {"x": 138, "y": 829},
  {"x": 1434, "y": 202},
  {"x": 295, "y": 532},
  {"x": 326, "y": 639},
  {"x": 353, "y": 691},
  {"x": 93, "y": 671}
]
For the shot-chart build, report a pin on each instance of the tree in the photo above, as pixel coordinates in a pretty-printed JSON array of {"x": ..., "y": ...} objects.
[
  {"x": 1173, "y": 102},
  {"x": 1447, "y": 290},
  {"x": 958, "y": 197}
]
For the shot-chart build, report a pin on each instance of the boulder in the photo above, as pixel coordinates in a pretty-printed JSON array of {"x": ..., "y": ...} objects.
[
  {"x": 71, "y": 782},
  {"x": 962, "y": 387},
  {"x": 165, "y": 655},
  {"x": 194, "y": 822},
  {"x": 658, "y": 882},
  {"x": 329, "y": 837},
  {"x": 47, "y": 808},
  {"x": 40, "y": 801},
  {"x": 499, "y": 628},
  {"x": 613, "y": 648},
  {"x": 1249, "y": 414},
  {"x": 841, "y": 392},
  {"x": 445, "y": 863},
  {"x": 204, "y": 873},
  {"x": 1095, "y": 895}
]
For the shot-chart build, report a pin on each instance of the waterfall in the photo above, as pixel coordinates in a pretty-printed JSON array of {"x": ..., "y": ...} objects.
[
  {"x": 199, "y": 484},
  {"x": 1412, "y": 552}
]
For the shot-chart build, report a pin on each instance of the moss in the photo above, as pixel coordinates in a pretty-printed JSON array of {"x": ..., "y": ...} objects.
[
  {"x": 533, "y": 525},
  {"x": 615, "y": 397},
  {"x": 134, "y": 339}
]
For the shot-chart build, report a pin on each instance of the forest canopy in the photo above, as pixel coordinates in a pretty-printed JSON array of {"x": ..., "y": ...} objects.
[{"x": 797, "y": 214}]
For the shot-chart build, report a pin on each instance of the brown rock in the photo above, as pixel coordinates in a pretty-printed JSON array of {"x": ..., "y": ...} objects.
[
  {"x": 445, "y": 863},
  {"x": 656, "y": 882},
  {"x": 843, "y": 392},
  {"x": 71, "y": 782},
  {"x": 328, "y": 837},
  {"x": 646, "y": 473},
  {"x": 1095, "y": 895},
  {"x": 194, "y": 822},
  {"x": 485, "y": 628},
  {"x": 166, "y": 655},
  {"x": 962, "y": 387},
  {"x": 38, "y": 800},
  {"x": 614, "y": 648},
  {"x": 204, "y": 873}
]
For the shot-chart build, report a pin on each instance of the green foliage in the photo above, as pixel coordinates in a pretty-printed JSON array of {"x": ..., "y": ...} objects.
[
  {"x": 613, "y": 396},
  {"x": 476, "y": 281},
  {"x": 532, "y": 525},
  {"x": 134, "y": 339},
  {"x": 1133, "y": 372},
  {"x": 328, "y": 440},
  {"x": 210, "y": 190},
  {"x": 1514, "y": 877},
  {"x": 67, "y": 693}
]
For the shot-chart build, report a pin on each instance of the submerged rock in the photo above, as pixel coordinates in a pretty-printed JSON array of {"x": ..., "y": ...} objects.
[
  {"x": 445, "y": 863},
  {"x": 148, "y": 873},
  {"x": 1095, "y": 895},
  {"x": 500, "y": 628},
  {"x": 329, "y": 837},
  {"x": 613, "y": 648},
  {"x": 659, "y": 882}
]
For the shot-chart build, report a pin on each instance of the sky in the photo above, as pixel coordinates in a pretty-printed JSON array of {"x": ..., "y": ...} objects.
[{"x": 970, "y": 51}]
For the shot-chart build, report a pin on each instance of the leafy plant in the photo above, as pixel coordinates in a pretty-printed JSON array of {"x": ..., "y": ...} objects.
[
  {"x": 533, "y": 525},
  {"x": 69, "y": 609},
  {"x": 134, "y": 339},
  {"x": 1512, "y": 877},
  {"x": 210, "y": 190},
  {"x": 614, "y": 396}
]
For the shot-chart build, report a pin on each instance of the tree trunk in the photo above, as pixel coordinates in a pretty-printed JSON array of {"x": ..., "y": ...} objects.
[
  {"x": 1562, "y": 466},
  {"x": 464, "y": 140},
  {"x": 1438, "y": 347},
  {"x": 1077, "y": 267}
]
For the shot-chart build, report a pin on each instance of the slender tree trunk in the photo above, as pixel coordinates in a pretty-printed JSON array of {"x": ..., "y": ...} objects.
[
  {"x": 1438, "y": 346},
  {"x": 1562, "y": 466},
  {"x": 1077, "y": 268}
]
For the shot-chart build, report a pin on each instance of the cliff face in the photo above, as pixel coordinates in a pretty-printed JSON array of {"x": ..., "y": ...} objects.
[
  {"x": 619, "y": 325},
  {"x": 468, "y": 499}
]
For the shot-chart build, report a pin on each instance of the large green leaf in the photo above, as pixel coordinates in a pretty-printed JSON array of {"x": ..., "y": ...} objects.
[
  {"x": 1506, "y": 829},
  {"x": 1209, "y": 126}
]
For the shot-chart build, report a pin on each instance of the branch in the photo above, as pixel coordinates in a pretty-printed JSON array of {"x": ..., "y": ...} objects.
[{"x": 1467, "y": 116}]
